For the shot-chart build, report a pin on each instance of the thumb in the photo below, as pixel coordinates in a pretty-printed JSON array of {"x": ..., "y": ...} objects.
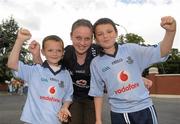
[{"x": 69, "y": 114}]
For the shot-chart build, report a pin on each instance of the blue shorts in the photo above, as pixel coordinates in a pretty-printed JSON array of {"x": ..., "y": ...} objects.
[{"x": 145, "y": 116}]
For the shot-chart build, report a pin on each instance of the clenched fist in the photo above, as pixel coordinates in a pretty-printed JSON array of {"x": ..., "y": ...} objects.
[
  {"x": 168, "y": 23},
  {"x": 23, "y": 35}
]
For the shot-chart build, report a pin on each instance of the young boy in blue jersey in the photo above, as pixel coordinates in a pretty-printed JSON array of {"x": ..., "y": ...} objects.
[
  {"x": 119, "y": 67},
  {"x": 49, "y": 85}
]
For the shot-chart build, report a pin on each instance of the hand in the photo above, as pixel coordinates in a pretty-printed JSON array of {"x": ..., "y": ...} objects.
[
  {"x": 64, "y": 115},
  {"x": 168, "y": 23},
  {"x": 23, "y": 35},
  {"x": 148, "y": 83},
  {"x": 34, "y": 48}
]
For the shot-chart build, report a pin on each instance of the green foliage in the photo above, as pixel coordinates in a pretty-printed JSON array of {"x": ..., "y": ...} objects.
[
  {"x": 8, "y": 30},
  {"x": 8, "y": 34},
  {"x": 171, "y": 66},
  {"x": 130, "y": 38}
]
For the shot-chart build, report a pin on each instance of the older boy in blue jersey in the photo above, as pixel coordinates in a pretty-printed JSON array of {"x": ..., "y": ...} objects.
[
  {"x": 49, "y": 84},
  {"x": 119, "y": 67}
]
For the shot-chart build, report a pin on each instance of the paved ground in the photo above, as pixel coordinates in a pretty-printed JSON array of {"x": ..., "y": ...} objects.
[{"x": 168, "y": 109}]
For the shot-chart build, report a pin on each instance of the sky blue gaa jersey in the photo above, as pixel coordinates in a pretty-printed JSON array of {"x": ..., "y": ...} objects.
[
  {"x": 46, "y": 92},
  {"x": 121, "y": 73}
]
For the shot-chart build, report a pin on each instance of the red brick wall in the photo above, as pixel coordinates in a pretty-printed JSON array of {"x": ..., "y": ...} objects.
[
  {"x": 168, "y": 84},
  {"x": 3, "y": 87}
]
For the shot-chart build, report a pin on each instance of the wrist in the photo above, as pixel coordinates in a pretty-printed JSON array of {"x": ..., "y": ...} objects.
[
  {"x": 98, "y": 122},
  {"x": 19, "y": 40},
  {"x": 98, "y": 119},
  {"x": 65, "y": 106},
  {"x": 171, "y": 31},
  {"x": 38, "y": 56}
]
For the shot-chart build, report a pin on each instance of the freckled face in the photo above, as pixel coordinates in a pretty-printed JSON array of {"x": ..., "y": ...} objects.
[{"x": 82, "y": 39}]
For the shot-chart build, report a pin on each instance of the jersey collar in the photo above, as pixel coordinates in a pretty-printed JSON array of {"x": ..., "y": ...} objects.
[
  {"x": 46, "y": 65},
  {"x": 102, "y": 53}
]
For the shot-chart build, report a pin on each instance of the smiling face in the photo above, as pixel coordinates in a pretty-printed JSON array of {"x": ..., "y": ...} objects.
[
  {"x": 105, "y": 36},
  {"x": 82, "y": 39},
  {"x": 53, "y": 51}
]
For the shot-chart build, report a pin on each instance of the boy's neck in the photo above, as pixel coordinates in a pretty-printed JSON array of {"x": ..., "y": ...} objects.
[
  {"x": 55, "y": 67},
  {"x": 110, "y": 51},
  {"x": 54, "y": 64}
]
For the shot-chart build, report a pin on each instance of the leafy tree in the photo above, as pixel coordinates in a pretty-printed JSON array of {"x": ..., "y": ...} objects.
[
  {"x": 8, "y": 31},
  {"x": 171, "y": 66},
  {"x": 130, "y": 38}
]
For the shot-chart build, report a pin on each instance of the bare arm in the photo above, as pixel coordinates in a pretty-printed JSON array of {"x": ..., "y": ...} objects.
[
  {"x": 23, "y": 35},
  {"x": 98, "y": 101},
  {"x": 169, "y": 24}
]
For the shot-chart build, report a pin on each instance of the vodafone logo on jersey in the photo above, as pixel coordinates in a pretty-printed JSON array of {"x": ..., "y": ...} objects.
[
  {"x": 52, "y": 90},
  {"x": 123, "y": 76}
]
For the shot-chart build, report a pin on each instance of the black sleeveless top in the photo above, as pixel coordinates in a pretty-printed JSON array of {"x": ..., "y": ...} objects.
[{"x": 80, "y": 74}]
